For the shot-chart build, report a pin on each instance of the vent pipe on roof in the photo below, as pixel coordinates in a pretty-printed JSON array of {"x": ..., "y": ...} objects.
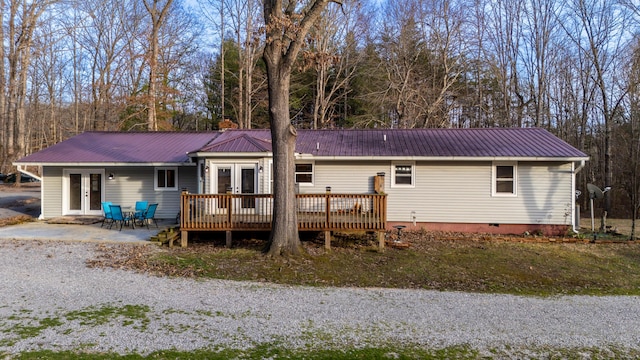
[
  {"x": 317, "y": 146},
  {"x": 384, "y": 137}
]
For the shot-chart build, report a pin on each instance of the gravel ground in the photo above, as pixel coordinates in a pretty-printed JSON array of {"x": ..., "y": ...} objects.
[{"x": 51, "y": 300}]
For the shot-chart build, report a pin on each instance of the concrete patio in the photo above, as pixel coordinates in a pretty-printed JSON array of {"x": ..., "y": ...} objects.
[{"x": 41, "y": 230}]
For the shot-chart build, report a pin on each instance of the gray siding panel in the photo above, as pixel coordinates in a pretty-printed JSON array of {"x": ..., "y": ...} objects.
[
  {"x": 52, "y": 192},
  {"x": 133, "y": 184},
  {"x": 129, "y": 185},
  {"x": 458, "y": 192}
]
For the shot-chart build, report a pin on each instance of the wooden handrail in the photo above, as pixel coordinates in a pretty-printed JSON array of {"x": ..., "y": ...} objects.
[{"x": 316, "y": 212}]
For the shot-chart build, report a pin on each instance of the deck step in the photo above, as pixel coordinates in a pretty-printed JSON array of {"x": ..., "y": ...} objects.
[{"x": 166, "y": 236}]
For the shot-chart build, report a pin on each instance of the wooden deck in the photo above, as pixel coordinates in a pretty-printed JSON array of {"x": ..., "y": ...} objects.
[{"x": 316, "y": 212}]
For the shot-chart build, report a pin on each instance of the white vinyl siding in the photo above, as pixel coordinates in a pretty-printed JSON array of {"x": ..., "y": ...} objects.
[
  {"x": 346, "y": 177},
  {"x": 52, "y": 191},
  {"x": 458, "y": 192},
  {"x": 129, "y": 184}
]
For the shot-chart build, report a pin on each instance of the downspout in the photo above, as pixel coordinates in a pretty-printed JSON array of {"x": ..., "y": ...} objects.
[
  {"x": 574, "y": 171},
  {"x": 200, "y": 175},
  {"x": 27, "y": 172}
]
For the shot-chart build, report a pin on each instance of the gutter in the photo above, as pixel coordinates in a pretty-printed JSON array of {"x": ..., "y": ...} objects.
[{"x": 27, "y": 172}]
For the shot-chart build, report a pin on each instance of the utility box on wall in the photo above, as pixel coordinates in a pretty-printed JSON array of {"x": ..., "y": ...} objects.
[{"x": 378, "y": 183}]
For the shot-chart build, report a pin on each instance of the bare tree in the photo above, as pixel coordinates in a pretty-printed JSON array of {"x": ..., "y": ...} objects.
[
  {"x": 403, "y": 54},
  {"x": 332, "y": 53},
  {"x": 540, "y": 18},
  {"x": 287, "y": 25},
  {"x": 442, "y": 26},
  {"x": 22, "y": 23},
  {"x": 599, "y": 33},
  {"x": 106, "y": 31},
  {"x": 504, "y": 38},
  {"x": 158, "y": 12}
]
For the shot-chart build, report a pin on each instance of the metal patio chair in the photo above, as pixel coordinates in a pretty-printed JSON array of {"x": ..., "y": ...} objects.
[
  {"x": 118, "y": 217},
  {"x": 106, "y": 208},
  {"x": 148, "y": 215},
  {"x": 141, "y": 207}
]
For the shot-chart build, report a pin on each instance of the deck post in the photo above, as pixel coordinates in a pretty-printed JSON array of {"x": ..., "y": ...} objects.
[
  {"x": 184, "y": 235},
  {"x": 228, "y": 236},
  {"x": 381, "y": 240},
  {"x": 327, "y": 204},
  {"x": 327, "y": 239}
]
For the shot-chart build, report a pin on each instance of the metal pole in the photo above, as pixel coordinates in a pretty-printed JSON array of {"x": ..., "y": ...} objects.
[{"x": 593, "y": 225}]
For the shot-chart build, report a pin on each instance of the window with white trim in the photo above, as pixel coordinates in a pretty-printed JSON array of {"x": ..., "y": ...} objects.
[
  {"x": 403, "y": 175},
  {"x": 304, "y": 173},
  {"x": 504, "y": 182},
  {"x": 166, "y": 178}
]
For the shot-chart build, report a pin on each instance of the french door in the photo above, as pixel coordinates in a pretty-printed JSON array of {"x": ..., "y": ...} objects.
[
  {"x": 236, "y": 179},
  {"x": 82, "y": 192}
]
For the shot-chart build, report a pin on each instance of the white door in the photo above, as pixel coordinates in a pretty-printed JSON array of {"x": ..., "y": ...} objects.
[
  {"x": 82, "y": 192},
  {"x": 236, "y": 179}
]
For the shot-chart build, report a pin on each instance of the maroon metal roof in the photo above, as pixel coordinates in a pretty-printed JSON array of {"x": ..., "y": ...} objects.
[
  {"x": 172, "y": 147},
  {"x": 492, "y": 142},
  {"x": 241, "y": 142},
  {"x": 123, "y": 147}
]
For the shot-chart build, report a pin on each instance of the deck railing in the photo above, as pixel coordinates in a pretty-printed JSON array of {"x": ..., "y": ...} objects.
[{"x": 316, "y": 212}]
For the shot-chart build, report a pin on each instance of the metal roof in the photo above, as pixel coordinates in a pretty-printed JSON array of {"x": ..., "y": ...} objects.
[
  {"x": 172, "y": 147},
  {"x": 468, "y": 143},
  {"x": 122, "y": 147}
]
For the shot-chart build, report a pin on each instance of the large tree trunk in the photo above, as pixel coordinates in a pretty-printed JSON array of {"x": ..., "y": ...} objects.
[
  {"x": 284, "y": 238},
  {"x": 285, "y": 33}
]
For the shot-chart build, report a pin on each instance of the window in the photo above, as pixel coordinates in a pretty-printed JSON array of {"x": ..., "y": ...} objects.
[
  {"x": 504, "y": 179},
  {"x": 403, "y": 175},
  {"x": 166, "y": 179},
  {"x": 304, "y": 173}
]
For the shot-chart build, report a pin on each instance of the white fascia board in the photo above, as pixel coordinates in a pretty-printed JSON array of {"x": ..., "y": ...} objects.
[
  {"x": 104, "y": 164},
  {"x": 227, "y": 155},
  {"x": 439, "y": 158}
]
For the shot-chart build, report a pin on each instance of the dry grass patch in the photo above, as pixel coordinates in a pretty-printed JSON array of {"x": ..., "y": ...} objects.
[
  {"x": 430, "y": 263},
  {"x": 15, "y": 220}
]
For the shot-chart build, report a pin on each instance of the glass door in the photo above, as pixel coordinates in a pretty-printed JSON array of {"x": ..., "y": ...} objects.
[
  {"x": 235, "y": 179},
  {"x": 223, "y": 179},
  {"x": 83, "y": 192},
  {"x": 248, "y": 185}
]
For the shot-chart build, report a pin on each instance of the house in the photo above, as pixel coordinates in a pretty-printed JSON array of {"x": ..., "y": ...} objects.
[{"x": 498, "y": 180}]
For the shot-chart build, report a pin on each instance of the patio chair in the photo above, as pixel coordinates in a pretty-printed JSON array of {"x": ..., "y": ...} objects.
[
  {"x": 118, "y": 217},
  {"x": 106, "y": 208},
  {"x": 141, "y": 207},
  {"x": 148, "y": 215}
]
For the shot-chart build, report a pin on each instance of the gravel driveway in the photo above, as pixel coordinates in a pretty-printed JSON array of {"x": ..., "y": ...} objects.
[{"x": 51, "y": 300}]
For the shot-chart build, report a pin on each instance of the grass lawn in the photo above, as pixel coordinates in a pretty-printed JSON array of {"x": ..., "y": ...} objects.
[{"x": 474, "y": 264}]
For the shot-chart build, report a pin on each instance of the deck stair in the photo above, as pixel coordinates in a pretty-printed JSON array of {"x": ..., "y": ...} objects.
[{"x": 167, "y": 236}]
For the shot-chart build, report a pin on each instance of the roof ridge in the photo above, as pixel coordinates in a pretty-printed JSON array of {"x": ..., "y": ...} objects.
[{"x": 259, "y": 143}]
